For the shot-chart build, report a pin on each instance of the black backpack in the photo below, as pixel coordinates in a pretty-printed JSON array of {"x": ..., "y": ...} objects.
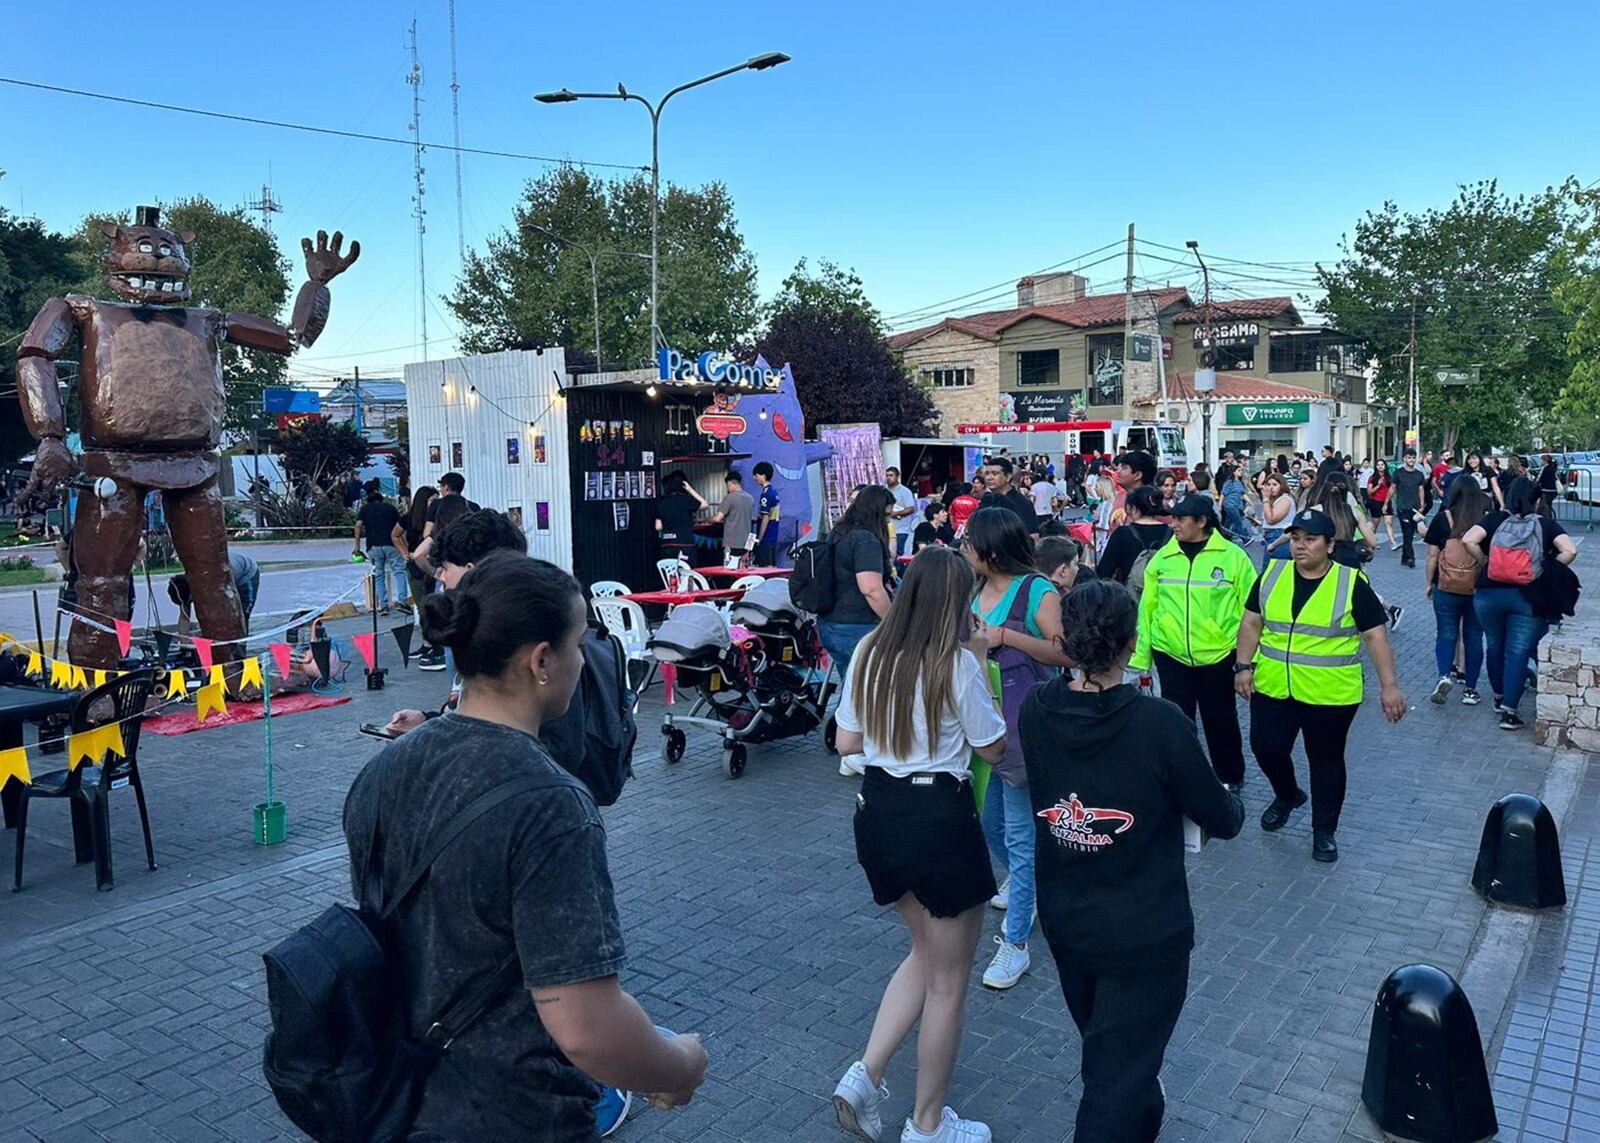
[
  {"x": 342, "y": 1060},
  {"x": 594, "y": 740},
  {"x": 811, "y": 587}
]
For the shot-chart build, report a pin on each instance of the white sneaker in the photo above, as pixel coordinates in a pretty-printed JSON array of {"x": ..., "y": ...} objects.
[
  {"x": 952, "y": 1129},
  {"x": 856, "y": 1103},
  {"x": 1007, "y": 967},
  {"x": 1002, "y": 899},
  {"x": 1441, "y": 692},
  {"x": 852, "y": 765}
]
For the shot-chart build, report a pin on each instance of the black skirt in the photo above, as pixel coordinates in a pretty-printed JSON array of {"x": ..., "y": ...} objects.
[{"x": 921, "y": 835}]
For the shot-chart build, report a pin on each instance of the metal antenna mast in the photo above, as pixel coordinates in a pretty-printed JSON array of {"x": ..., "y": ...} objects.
[
  {"x": 266, "y": 206},
  {"x": 418, "y": 211},
  {"x": 455, "y": 116}
]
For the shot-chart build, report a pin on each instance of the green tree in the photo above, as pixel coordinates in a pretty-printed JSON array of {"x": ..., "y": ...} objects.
[
  {"x": 1481, "y": 274},
  {"x": 531, "y": 288},
  {"x": 823, "y": 325},
  {"x": 236, "y": 266},
  {"x": 35, "y": 264},
  {"x": 1576, "y": 413}
]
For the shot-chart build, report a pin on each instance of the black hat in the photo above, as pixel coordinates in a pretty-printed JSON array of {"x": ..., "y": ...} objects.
[
  {"x": 1313, "y": 521},
  {"x": 1200, "y": 507}
]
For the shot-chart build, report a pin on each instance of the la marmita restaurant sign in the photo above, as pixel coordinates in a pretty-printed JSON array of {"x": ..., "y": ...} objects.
[{"x": 1268, "y": 413}]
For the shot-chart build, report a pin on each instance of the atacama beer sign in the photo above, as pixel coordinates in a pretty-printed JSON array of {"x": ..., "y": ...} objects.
[
  {"x": 1228, "y": 335},
  {"x": 712, "y": 368}
]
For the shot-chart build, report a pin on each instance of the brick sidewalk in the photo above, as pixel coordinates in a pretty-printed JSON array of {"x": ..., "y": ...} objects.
[{"x": 138, "y": 1014}]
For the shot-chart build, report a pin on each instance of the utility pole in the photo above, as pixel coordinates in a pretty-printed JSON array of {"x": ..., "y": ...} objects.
[
  {"x": 357, "y": 398},
  {"x": 1413, "y": 405},
  {"x": 1205, "y": 377},
  {"x": 1127, "y": 326},
  {"x": 455, "y": 116},
  {"x": 418, "y": 211}
]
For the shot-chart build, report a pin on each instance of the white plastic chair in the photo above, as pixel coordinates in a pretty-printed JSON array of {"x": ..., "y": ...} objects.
[
  {"x": 606, "y": 588},
  {"x": 746, "y": 582},
  {"x": 625, "y": 619},
  {"x": 670, "y": 571},
  {"x": 692, "y": 581}
]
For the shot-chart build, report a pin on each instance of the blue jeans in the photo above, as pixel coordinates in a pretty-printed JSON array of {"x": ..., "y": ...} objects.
[
  {"x": 385, "y": 562},
  {"x": 1512, "y": 634},
  {"x": 1008, "y": 828},
  {"x": 840, "y": 640},
  {"x": 1453, "y": 616}
]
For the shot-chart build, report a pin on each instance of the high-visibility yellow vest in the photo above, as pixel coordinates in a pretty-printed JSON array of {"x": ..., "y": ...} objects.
[
  {"x": 1191, "y": 609},
  {"x": 1315, "y": 656}
]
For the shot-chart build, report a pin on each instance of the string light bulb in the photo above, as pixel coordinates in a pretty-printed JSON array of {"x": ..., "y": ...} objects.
[{"x": 650, "y": 391}]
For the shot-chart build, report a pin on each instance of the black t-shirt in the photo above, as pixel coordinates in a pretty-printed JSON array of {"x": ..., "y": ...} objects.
[
  {"x": 1547, "y": 478},
  {"x": 923, "y": 535},
  {"x": 443, "y": 510},
  {"x": 378, "y": 518},
  {"x": 1016, "y": 502},
  {"x": 1492, "y": 522},
  {"x": 1369, "y": 612},
  {"x": 855, "y": 551},
  {"x": 676, "y": 513},
  {"x": 529, "y": 878},
  {"x": 1125, "y": 546}
]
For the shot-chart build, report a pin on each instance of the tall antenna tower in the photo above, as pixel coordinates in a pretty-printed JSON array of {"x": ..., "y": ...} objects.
[
  {"x": 455, "y": 115},
  {"x": 266, "y": 206},
  {"x": 418, "y": 211}
]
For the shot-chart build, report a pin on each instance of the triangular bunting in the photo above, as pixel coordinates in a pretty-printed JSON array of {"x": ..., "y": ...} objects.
[
  {"x": 366, "y": 644},
  {"x": 80, "y": 679},
  {"x": 219, "y": 677},
  {"x": 208, "y": 700},
  {"x": 202, "y": 647},
  {"x": 322, "y": 655},
  {"x": 250, "y": 675},
  {"x": 124, "y": 635},
  {"x": 14, "y": 764},
  {"x": 402, "y": 637},
  {"x": 281, "y": 655},
  {"x": 99, "y": 679},
  {"x": 93, "y": 745},
  {"x": 60, "y": 674},
  {"x": 177, "y": 685},
  {"x": 35, "y": 664},
  {"x": 6, "y": 638}
]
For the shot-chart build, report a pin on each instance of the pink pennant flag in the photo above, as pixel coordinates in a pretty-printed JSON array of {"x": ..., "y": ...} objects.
[
  {"x": 124, "y": 635},
  {"x": 669, "y": 681},
  {"x": 202, "y": 647},
  {"x": 281, "y": 654},
  {"x": 364, "y": 644}
]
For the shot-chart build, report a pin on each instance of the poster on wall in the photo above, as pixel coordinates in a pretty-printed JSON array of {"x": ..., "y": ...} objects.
[
  {"x": 591, "y": 486},
  {"x": 857, "y": 459},
  {"x": 540, "y": 454},
  {"x": 456, "y": 460},
  {"x": 649, "y": 486},
  {"x": 619, "y": 516},
  {"x": 635, "y": 485},
  {"x": 435, "y": 453},
  {"x": 513, "y": 450},
  {"x": 514, "y": 514},
  {"x": 541, "y": 515},
  {"x": 608, "y": 487},
  {"x": 647, "y": 458}
]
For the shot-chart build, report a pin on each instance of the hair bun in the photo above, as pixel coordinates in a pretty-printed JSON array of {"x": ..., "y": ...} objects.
[{"x": 449, "y": 619}]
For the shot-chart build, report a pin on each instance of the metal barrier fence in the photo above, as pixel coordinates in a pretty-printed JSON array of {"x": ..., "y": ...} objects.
[{"x": 1578, "y": 494}]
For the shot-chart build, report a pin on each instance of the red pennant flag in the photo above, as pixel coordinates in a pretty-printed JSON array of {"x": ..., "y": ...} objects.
[
  {"x": 202, "y": 647},
  {"x": 364, "y": 644},
  {"x": 124, "y": 635},
  {"x": 281, "y": 654}
]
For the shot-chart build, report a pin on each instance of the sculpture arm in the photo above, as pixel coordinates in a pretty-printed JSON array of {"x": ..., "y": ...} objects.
[
  {"x": 254, "y": 332},
  {"x": 52, "y": 328}
]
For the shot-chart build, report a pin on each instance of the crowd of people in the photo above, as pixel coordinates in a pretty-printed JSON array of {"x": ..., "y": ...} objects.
[{"x": 966, "y": 670}]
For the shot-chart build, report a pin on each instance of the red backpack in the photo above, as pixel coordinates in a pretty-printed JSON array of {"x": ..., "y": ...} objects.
[{"x": 1516, "y": 553}]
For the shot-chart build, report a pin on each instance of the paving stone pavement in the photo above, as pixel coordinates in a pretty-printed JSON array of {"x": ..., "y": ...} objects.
[{"x": 138, "y": 1014}]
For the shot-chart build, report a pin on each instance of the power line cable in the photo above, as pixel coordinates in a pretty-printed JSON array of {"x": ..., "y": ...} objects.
[
  {"x": 314, "y": 130},
  {"x": 1009, "y": 283}
]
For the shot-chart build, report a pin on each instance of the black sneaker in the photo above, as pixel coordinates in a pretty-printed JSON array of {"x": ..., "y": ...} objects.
[
  {"x": 431, "y": 660},
  {"x": 1323, "y": 847},
  {"x": 1233, "y": 787},
  {"x": 1511, "y": 720},
  {"x": 1276, "y": 815},
  {"x": 1457, "y": 677},
  {"x": 1395, "y": 612}
]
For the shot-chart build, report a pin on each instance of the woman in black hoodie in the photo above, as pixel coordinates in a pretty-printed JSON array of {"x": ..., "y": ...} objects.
[{"x": 1113, "y": 773}]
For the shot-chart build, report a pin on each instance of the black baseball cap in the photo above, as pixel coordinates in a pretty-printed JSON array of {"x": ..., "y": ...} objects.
[
  {"x": 1200, "y": 507},
  {"x": 1313, "y": 521}
]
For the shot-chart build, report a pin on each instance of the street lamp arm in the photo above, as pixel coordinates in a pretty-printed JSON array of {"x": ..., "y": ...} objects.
[{"x": 699, "y": 82}]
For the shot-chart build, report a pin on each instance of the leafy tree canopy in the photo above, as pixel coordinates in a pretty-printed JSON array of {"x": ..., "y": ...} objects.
[
  {"x": 35, "y": 264},
  {"x": 1576, "y": 414},
  {"x": 533, "y": 284},
  {"x": 1482, "y": 274},
  {"x": 823, "y": 325}
]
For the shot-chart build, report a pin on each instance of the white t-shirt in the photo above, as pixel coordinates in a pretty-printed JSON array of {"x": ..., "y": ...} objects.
[
  {"x": 905, "y": 498},
  {"x": 972, "y": 721},
  {"x": 1043, "y": 493}
]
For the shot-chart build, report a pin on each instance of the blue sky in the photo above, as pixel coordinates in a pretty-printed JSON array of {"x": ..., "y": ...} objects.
[{"x": 940, "y": 149}]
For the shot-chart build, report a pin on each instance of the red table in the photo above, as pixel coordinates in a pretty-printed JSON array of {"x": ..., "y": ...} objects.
[
  {"x": 740, "y": 573},
  {"x": 675, "y": 598}
]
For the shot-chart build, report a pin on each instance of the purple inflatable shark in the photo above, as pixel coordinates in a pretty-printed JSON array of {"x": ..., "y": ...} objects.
[{"x": 775, "y": 431}]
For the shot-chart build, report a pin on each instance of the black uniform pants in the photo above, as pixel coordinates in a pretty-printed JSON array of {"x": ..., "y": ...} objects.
[
  {"x": 1210, "y": 690},
  {"x": 1274, "y": 723},
  {"x": 1125, "y": 1021}
]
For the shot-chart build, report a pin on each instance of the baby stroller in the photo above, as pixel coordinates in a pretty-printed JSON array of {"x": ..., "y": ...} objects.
[{"x": 744, "y": 691}]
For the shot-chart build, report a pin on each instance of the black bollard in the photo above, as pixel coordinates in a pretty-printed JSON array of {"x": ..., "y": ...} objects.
[
  {"x": 1519, "y": 858},
  {"x": 1425, "y": 1076}
]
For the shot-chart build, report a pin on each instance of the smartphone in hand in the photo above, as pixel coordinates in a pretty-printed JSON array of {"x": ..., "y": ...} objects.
[{"x": 373, "y": 730}]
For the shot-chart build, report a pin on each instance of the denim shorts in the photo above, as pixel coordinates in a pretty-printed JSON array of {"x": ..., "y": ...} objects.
[{"x": 921, "y": 835}]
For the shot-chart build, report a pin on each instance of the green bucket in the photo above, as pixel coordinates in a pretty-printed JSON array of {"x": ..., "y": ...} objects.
[{"x": 271, "y": 823}]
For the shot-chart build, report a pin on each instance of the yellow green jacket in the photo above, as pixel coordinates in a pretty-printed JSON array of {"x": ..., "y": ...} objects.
[{"x": 1191, "y": 610}]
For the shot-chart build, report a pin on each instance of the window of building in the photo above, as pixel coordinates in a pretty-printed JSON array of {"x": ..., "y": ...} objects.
[
  {"x": 1105, "y": 368},
  {"x": 1039, "y": 367},
  {"x": 1316, "y": 355},
  {"x": 948, "y": 377}
]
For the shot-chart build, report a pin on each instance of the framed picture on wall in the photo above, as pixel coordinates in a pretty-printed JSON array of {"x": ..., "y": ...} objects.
[
  {"x": 635, "y": 485},
  {"x": 591, "y": 486},
  {"x": 608, "y": 486},
  {"x": 541, "y": 453},
  {"x": 649, "y": 486},
  {"x": 513, "y": 450},
  {"x": 541, "y": 515},
  {"x": 435, "y": 453},
  {"x": 456, "y": 455},
  {"x": 514, "y": 514}
]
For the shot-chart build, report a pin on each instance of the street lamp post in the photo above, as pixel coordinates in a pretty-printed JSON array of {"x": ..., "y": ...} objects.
[
  {"x": 754, "y": 63},
  {"x": 593, "y": 255},
  {"x": 1207, "y": 356},
  {"x": 255, "y": 451}
]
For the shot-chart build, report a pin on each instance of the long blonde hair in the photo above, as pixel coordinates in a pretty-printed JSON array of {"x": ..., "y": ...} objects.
[{"x": 918, "y": 640}]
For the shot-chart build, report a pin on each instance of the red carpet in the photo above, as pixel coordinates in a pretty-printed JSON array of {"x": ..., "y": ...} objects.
[{"x": 183, "y": 721}]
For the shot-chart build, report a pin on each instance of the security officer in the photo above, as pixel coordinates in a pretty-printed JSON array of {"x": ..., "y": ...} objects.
[
  {"x": 1298, "y": 663},
  {"x": 1195, "y": 587}
]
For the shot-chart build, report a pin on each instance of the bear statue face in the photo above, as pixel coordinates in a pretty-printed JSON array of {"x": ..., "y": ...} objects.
[{"x": 146, "y": 263}]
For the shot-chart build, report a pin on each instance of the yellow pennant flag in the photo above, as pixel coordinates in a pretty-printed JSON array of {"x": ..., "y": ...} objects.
[
  {"x": 99, "y": 678},
  {"x": 177, "y": 685},
  {"x": 14, "y": 764},
  {"x": 218, "y": 679},
  {"x": 251, "y": 674},
  {"x": 80, "y": 680},
  {"x": 6, "y": 638},
  {"x": 60, "y": 674},
  {"x": 35, "y": 664},
  {"x": 92, "y": 745},
  {"x": 208, "y": 700}
]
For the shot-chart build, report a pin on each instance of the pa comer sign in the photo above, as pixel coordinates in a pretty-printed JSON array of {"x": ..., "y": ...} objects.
[
  {"x": 1267, "y": 413},
  {"x": 712, "y": 368}
]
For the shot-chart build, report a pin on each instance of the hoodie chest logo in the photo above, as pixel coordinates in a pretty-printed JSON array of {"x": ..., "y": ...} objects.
[{"x": 1082, "y": 828}]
